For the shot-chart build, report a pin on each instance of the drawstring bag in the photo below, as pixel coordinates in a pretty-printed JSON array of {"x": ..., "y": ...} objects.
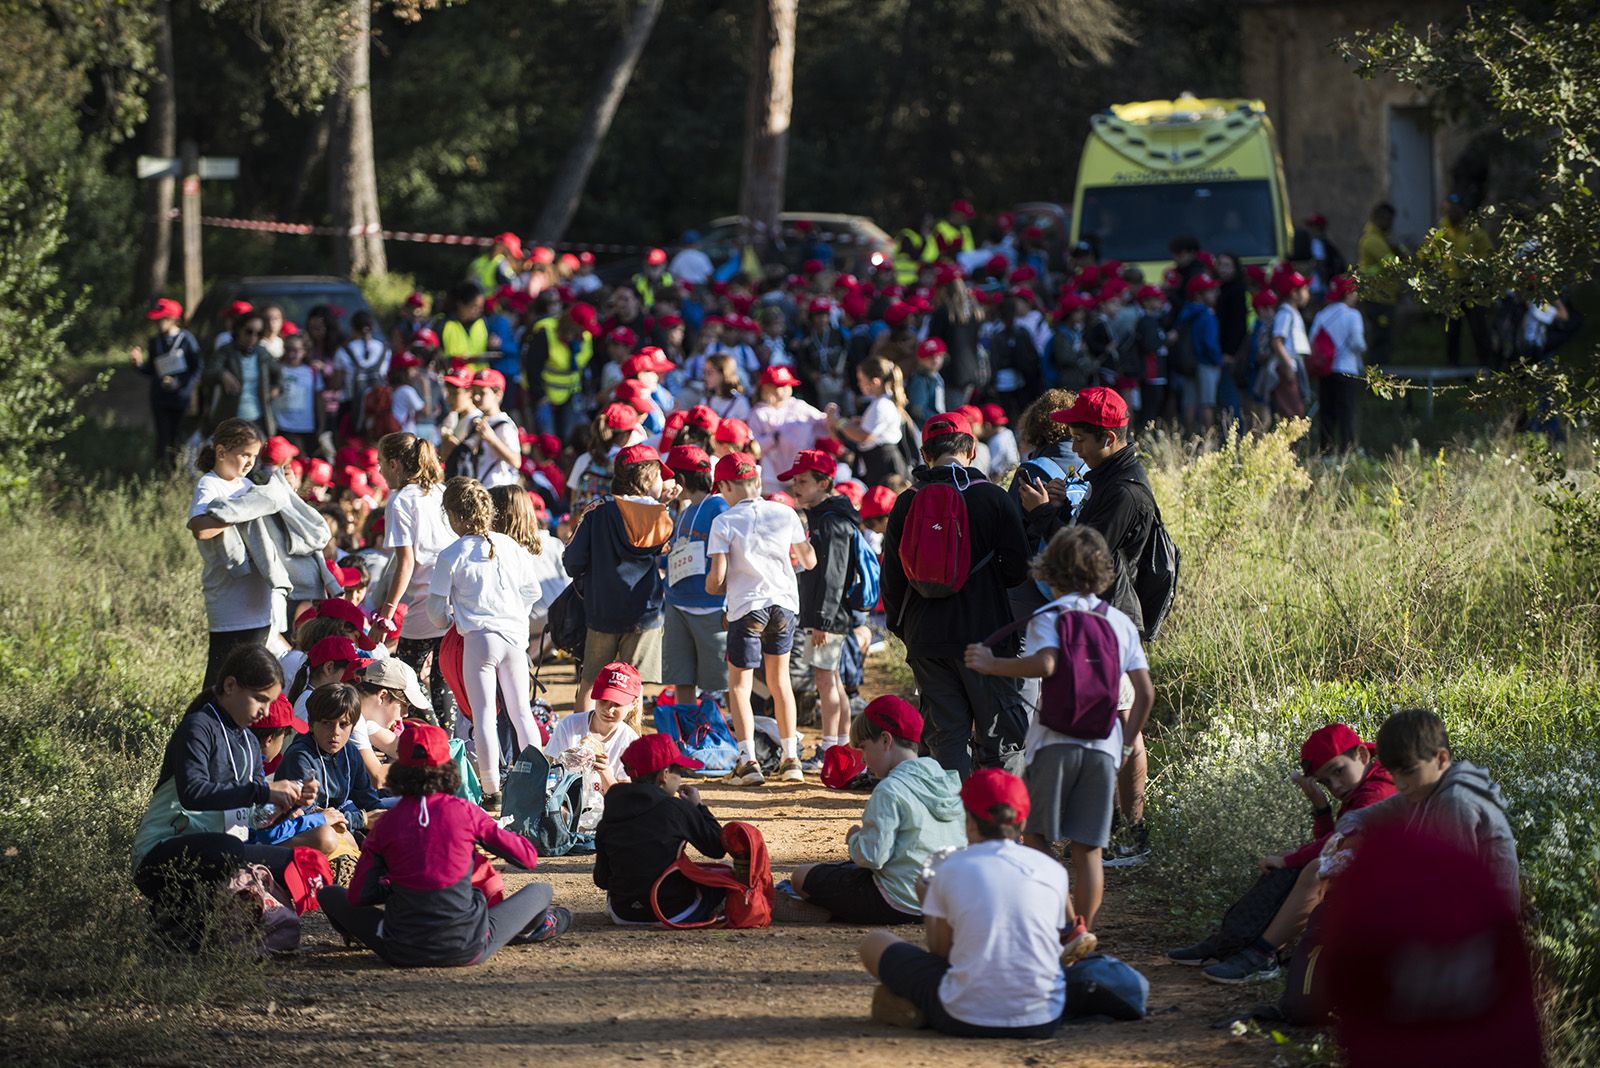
[
  {"x": 748, "y": 881},
  {"x": 273, "y": 926}
]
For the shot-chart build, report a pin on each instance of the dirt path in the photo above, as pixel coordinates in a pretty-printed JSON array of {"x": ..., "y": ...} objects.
[{"x": 616, "y": 996}]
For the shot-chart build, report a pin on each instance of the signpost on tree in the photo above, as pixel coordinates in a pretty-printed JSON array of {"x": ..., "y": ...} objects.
[{"x": 193, "y": 168}]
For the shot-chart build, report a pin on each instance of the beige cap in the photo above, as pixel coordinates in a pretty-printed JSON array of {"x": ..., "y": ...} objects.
[{"x": 395, "y": 674}]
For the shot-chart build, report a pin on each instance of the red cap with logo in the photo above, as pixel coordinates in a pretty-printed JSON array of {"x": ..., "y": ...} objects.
[
  {"x": 989, "y": 787},
  {"x": 778, "y": 375},
  {"x": 732, "y": 432},
  {"x": 930, "y": 347},
  {"x": 1326, "y": 743},
  {"x": 655, "y": 752},
  {"x": 165, "y": 308},
  {"x": 819, "y": 306},
  {"x": 649, "y": 358},
  {"x": 618, "y": 683},
  {"x": 1096, "y": 406},
  {"x": 634, "y": 392},
  {"x": 896, "y": 715},
  {"x": 944, "y": 424},
  {"x": 702, "y": 417},
  {"x": 656, "y": 257},
  {"x": 640, "y": 454},
  {"x": 422, "y": 745},
  {"x": 1341, "y": 287},
  {"x": 489, "y": 378},
  {"x": 1200, "y": 283},
  {"x": 619, "y": 416},
  {"x": 879, "y": 502},
  {"x": 682, "y": 458},
  {"x": 813, "y": 460},
  {"x": 736, "y": 466},
  {"x": 320, "y": 473},
  {"x": 1286, "y": 282}
]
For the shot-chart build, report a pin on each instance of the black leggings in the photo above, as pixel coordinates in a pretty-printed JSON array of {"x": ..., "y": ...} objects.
[
  {"x": 514, "y": 914},
  {"x": 223, "y": 642},
  {"x": 422, "y": 654},
  {"x": 180, "y": 876}
]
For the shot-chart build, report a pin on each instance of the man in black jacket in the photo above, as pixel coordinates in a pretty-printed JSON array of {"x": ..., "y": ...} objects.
[
  {"x": 1122, "y": 508},
  {"x": 831, "y": 522},
  {"x": 937, "y": 630}
]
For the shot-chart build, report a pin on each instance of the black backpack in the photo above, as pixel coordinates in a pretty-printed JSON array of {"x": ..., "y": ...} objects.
[
  {"x": 567, "y": 623},
  {"x": 1155, "y": 583},
  {"x": 461, "y": 463},
  {"x": 1181, "y": 357}
]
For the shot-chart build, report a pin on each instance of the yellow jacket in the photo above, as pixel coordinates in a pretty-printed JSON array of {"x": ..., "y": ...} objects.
[
  {"x": 1466, "y": 240},
  {"x": 1373, "y": 251}
]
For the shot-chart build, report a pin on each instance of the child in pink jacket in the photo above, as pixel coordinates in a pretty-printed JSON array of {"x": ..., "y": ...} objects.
[{"x": 412, "y": 899}]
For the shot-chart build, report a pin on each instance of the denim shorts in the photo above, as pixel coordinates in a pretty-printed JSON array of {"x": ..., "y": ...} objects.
[{"x": 768, "y": 631}]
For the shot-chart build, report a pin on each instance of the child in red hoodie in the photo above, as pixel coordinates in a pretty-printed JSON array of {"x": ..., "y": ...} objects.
[
  {"x": 412, "y": 899},
  {"x": 1274, "y": 911}
]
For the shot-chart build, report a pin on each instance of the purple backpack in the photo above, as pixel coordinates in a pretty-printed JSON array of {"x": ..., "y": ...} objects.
[{"x": 1080, "y": 699}]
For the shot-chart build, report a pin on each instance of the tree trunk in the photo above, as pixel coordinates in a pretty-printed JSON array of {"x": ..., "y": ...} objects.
[
  {"x": 312, "y": 153},
  {"x": 352, "y": 168},
  {"x": 767, "y": 109},
  {"x": 561, "y": 203},
  {"x": 161, "y": 139}
]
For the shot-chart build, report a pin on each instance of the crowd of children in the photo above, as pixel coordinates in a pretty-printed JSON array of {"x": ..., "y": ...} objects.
[{"x": 385, "y": 547}]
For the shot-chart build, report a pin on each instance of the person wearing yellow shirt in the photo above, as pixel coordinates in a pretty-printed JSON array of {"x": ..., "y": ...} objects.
[
  {"x": 1378, "y": 248},
  {"x": 1465, "y": 239}
]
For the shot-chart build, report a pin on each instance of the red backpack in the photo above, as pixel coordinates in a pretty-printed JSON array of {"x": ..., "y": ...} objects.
[
  {"x": 1080, "y": 699},
  {"x": 1323, "y": 350},
  {"x": 748, "y": 882},
  {"x": 934, "y": 549}
]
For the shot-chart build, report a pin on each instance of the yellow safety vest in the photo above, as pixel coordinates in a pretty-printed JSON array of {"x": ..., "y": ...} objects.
[
  {"x": 907, "y": 263},
  {"x": 646, "y": 291},
  {"x": 470, "y": 342},
  {"x": 485, "y": 270},
  {"x": 945, "y": 235},
  {"x": 563, "y": 369}
]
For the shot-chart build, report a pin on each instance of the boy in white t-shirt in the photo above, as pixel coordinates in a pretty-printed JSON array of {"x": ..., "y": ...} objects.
[
  {"x": 754, "y": 550},
  {"x": 992, "y": 914},
  {"x": 1073, "y": 781}
]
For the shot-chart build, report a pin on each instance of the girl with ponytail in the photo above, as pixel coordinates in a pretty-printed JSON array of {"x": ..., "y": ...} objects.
[{"x": 879, "y": 431}]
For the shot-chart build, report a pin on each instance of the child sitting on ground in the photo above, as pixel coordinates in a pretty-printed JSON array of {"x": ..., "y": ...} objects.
[
  {"x": 1436, "y": 792},
  {"x": 913, "y": 813},
  {"x": 344, "y": 792},
  {"x": 275, "y": 730},
  {"x": 646, "y": 822},
  {"x": 1275, "y": 910},
  {"x": 1073, "y": 780},
  {"x": 605, "y": 730},
  {"x": 418, "y": 864},
  {"x": 992, "y": 913}
]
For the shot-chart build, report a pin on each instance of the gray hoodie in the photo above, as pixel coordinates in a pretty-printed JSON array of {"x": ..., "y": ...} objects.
[{"x": 1467, "y": 807}]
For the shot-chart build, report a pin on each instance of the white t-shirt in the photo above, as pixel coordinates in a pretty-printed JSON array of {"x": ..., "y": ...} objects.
[
  {"x": 296, "y": 404},
  {"x": 881, "y": 421},
  {"x": 1006, "y": 905},
  {"x": 1043, "y": 634},
  {"x": 690, "y": 265},
  {"x": 552, "y": 574},
  {"x": 406, "y": 406},
  {"x": 495, "y": 594},
  {"x": 372, "y": 366},
  {"x": 570, "y": 731},
  {"x": 233, "y": 602},
  {"x": 1348, "y": 331},
  {"x": 492, "y": 470},
  {"x": 756, "y": 535},
  {"x": 1290, "y": 325},
  {"x": 417, "y": 519},
  {"x": 1003, "y": 455}
]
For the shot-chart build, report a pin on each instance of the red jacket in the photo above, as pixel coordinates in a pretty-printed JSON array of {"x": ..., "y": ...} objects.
[{"x": 1374, "y": 786}]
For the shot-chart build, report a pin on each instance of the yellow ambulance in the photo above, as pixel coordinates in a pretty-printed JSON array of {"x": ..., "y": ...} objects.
[{"x": 1162, "y": 168}]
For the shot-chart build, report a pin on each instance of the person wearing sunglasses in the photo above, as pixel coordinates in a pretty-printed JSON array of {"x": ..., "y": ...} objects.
[{"x": 241, "y": 379}]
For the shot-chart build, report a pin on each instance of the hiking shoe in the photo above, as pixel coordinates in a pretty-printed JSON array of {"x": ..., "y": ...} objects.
[
  {"x": 1132, "y": 850},
  {"x": 748, "y": 773},
  {"x": 1249, "y": 965},
  {"x": 553, "y": 922},
  {"x": 1197, "y": 954},
  {"x": 791, "y": 771},
  {"x": 344, "y": 870},
  {"x": 892, "y": 1009},
  {"x": 1078, "y": 944},
  {"x": 490, "y": 803}
]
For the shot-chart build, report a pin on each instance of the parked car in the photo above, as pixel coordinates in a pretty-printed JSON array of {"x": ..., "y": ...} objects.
[
  {"x": 854, "y": 240},
  {"x": 295, "y": 294}
]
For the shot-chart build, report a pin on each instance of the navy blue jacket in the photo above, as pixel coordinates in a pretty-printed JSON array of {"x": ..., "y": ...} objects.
[
  {"x": 616, "y": 551},
  {"x": 178, "y": 396},
  {"x": 342, "y": 780}
]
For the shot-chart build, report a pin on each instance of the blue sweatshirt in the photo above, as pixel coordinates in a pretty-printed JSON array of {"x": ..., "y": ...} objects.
[
  {"x": 616, "y": 551},
  {"x": 694, "y": 525},
  {"x": 1201, "y": 321},
  {"x": 342, "y": 781}
]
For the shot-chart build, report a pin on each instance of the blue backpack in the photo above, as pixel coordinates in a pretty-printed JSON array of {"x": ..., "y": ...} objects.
[
  {"x": 702, "y": 732},
  {"x": 866, "y": 576},
  {"x": 1102, "y": 985},
  {"x": 545, "y": 802}
]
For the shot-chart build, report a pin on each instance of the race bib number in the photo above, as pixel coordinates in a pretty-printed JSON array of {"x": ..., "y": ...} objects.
[
  {"x": 236, "y": 822},
  {"x": 686, "y": 560}
]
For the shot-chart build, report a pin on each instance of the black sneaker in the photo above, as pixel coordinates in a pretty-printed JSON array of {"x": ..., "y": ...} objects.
[
  {"x": 553, "y": 922},
  {"x": 1204, "y": 950},
  {"x": 1132, "y": 850},
  {"x": 1249, "y": 965}
]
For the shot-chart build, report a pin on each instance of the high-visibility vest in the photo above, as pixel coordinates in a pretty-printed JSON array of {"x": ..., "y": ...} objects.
[
  {"x": 485, "y": 270},
  {"x": 947, "y": 241},
  {"x": 563, "y": 369},
  {"x": 646, "y": 290},
  {"x": 470, "y": 341},
  {"x": 908, "y": 252}
]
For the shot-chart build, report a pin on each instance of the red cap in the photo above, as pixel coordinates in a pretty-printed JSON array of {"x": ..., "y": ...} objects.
[
  {"x": 490, "y": 378},
  {"x": 618, "y": 683},
  {"x": 897, "y": 313},
  {"x": 1255, "y": 274},
  {"x": 702, "y": 417},
  {"x": 639, "y": 454},
  {"x": 896, "y": 715},
  {"x": 1316, "y": 218},
  {"x": 584, "y": 315},
  {"x": 1025, "y": 293},
  {"x": 1022, "y": 274},
  {"x": 677, "y": 419},
  {"x": 993, "y": 413},
  {"x": 586, "y": 258},
  {"x": 1149, "y": 292},
  {"x": 832, "y": 446},
  {"x": 779, "y": 375},
  {"x": 280, "y": 450},
  {"x": 852, "y": 491},
  {"x": 667, "y": 322},
  {"x": 1326, "y": 743},
  {"x": 1097, "y": 406},
  {"x": 281, "y": 714},
  {"x": 422, "y": 745},
  {"x": 947, "y": 274},
  {"x": 811, "y": 267},
  {"x": 847, "y": 283},
  {"x": 548, "y": 444},
  {"x": 1033, "y": 233},
  {"x": 781, "y": 498},
  {"x": 963, "y": 207},
  {"x": 1005, "y": 221},
  {"x": 732, "y": 432},
  {"x": 634, "y": 392},
  {"x": 655, "y": 752},
  {"x": 512, "y": 242},
  {"x": 1264, "y": 300},
  {"x": 620, "y": 416},
  {"x": 543, "y": 254},
  {"x": 736, "y": 466},
  {"x": 415, "y": 299},
  {"x": 931, "y": 347},
  {"x": 1288, "y": 281},
  {"x": 1445, "y": 983},
  {"x": 879, "y": 502},
  {"x": 407, "y": 360},
  {"x": 348, "y": 577},
  {"x": 240, "y": 307},
  {"x": 1340, "y": 287},
  {"x": 345, "y": 612},
  {"x": 1113, "y": 289},
  {"x": 622, "y": 335},
  {"x": 989, "y": 787},
  {"x": 648, "y": 358},
  {"x": 841, "y": 765},
  {"x": 1201, "y": 283},
  {"x": 165, "y": 308},
  {"x": 997, "y": 264},
  {"x": 289, "y": 328},
  {"x": 946, "y": 423},
  {"x": 814, "y": 460},
  {"x": 331, "y": 649},
  {"x": 655, "y": 257},
  {"x": 320, "y": 473},
  {"x": 819, "y": 306},
  {"x": 681, "y": 458}
]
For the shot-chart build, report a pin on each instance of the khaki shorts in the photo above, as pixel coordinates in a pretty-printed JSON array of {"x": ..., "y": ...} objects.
[
  {"x": 641, "y": 648},
  {"x": 824, "y": 657}
]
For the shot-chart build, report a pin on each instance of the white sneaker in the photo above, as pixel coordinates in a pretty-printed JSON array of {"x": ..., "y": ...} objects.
[{"x": 748, "y": 773}]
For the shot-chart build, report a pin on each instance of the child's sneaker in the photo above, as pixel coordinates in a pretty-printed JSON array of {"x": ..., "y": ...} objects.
[
  {"x": 1077, "y": 944},
  {"x": 812, "y": 765},
  {"x": 553, "y": 922},
  {"x": 1249, "y": 965},
  {"x": 892, "y": 1009},
  {"x": 1193, "y": 956},
  {"x": 1132, "y": 850},
  {"x": 748, "y": 773},
  {"x": 790, "y": 771}
]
